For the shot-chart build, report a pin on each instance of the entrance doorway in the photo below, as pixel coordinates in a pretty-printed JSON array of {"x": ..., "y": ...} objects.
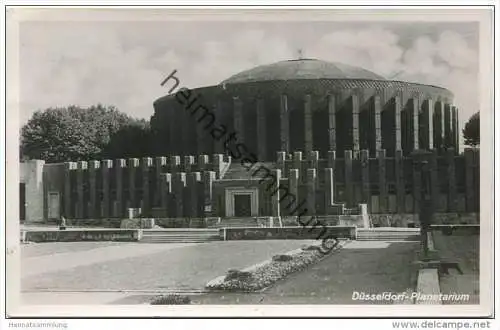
[
  {"x": 242, "y": 202},
  {"x": 54, "y": 206},
  {"x": 242, "y": 205}
]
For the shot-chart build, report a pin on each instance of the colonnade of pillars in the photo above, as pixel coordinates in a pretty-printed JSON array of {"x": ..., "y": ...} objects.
[{"x": 344, "y": 125}]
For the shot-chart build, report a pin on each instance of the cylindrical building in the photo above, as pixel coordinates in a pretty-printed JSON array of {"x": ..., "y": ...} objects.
[{"x": 306, "y": 105}]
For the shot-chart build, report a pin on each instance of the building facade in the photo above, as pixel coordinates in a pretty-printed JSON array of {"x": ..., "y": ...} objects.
[{"x": 273, "y": 141}]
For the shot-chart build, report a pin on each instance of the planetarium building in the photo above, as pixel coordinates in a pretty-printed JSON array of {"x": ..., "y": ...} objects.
[
  {"x": 326, "y": 137},
  {"x": 305, "y": 105}
]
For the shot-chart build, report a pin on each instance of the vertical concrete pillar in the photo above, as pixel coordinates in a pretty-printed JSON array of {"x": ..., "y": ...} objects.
[
  {"x": 203, "y": 163},
  {"x": 457, "y": 132},
  {"x": 174, "y": 164},
  {"x": 438, "y": 125},
  {"x": 188, "y": 163},
  {"x": 332, "y": 124},
  {"x": 417, "y": 183},
  {"x": 179, "y": 184},
  {"x": 434, "y": 177},
  {"x": 82, "y": 167},
  {"x": 452, "y": 183},
  {"x": 284, "y": 124},
  {"x": 426, "y": 125},
  {"x": 275, "y": 197},
  {"x": 118, "y": 208},
  {"x": 332, "y": 163},
  {"x": 448, "y": 126},
  {"x": 280, "y": 160},
  {"x": 397, "y": 123},
  {"x": 106, "y": 165},
  {"x": 193, "y": 184},
  {"x": 160, "y": 163},
  {"x": 329, "y": 189},
  {"x": 93, "y": 205},
  {"x": 400, "y": 182},
  {"x": 297, "y": 160},
  {"x": 208, "y": 181},
  {"x": 365, "y": 176},
  {"x": 238, "y": 118},
  {"x": 308, "y": 129},
  {"x": 391, "y": 126},
  {"x": 311, "y": 190},
  {"x": 454, "y": 130},
  {"x": 261, "y": 130},
  {"x": 469, "y": 180},
  {"x": 68, "y": 167},
  {"x": 383, "y": 200},
  {"x": 133, "y": 164},
  {"x": 410, "y": 127},
  {"x": 377, "y": 126},
  {"x": 217, "y": 161},
  {"x": 147, "y": 163},
  {"x": 165, "y": 192},
  {"x": 293, "y": 186},
  {"x": 355, "y": 123},
  {"x": 349, "y": 185},
  {"x": 313, "y": 158}
]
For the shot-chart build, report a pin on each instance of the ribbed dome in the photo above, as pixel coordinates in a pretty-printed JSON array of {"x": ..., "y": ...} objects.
[{"x": 302, "y": 69}]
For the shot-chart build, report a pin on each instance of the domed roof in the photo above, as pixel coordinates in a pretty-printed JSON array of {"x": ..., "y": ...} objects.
[{"x": 302, "y": 69}]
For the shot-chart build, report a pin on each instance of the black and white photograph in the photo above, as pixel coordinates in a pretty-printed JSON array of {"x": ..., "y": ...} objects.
[{"x": 250, "y": 158}]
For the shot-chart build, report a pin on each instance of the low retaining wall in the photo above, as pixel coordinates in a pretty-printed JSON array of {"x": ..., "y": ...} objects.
[
  {"x": 377, "y": 220},
  {"x": 119, "y": 235},
  {"x": 459, "y": 230},
  {"x": 89, "y": 223},
  {"x": 287, "y": 233},
  {"x": 405, "y": 219},
  {"x": 186, "y": 222}
]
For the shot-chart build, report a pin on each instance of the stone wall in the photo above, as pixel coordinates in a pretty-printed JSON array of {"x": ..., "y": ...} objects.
[
  {"x": 31, "y": 174},
  {"x": 403, "y": 220},
  {"x": 81, "y": 235},
  {"x": 287, "y": 233}
]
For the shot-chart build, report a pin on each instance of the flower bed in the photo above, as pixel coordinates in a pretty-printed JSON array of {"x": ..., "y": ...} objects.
[
  {"x": 171, "y": 299},
  {"x": 268, "y": 273}
]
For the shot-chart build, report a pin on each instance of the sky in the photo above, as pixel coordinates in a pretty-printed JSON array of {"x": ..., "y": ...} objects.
[{"x": 122, "y": 63}]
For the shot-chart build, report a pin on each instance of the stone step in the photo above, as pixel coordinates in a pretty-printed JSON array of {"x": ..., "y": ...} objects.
[
  {"x": 178, "y": 239},
  {"x": 162, "y": 233},
  {"x": 181, "y": 235}
]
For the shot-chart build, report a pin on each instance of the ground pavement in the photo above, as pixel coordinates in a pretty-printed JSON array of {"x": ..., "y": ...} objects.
[
  {"x": 364, "y": 266},
  {"x": 98, "y": 272},
  {"x": 131, "y": 273}
]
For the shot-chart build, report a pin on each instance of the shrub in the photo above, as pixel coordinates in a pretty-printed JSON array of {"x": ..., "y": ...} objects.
[
  {"x": 234, "y": 274},
  {"x": 282, "y": 257},
  {"x": 171, "y": 299}
]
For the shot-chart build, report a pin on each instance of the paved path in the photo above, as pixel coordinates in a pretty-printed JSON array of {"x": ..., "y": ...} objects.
[
  {"x": 134, "y": 266},
  {"x": 363, "y": 266}
]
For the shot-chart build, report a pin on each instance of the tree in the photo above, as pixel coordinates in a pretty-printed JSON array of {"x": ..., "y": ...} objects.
[
  {"x": 471, "y": 131},
  {"x": 131, "y": 140},
  {"x": 72, "y": 133}
]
